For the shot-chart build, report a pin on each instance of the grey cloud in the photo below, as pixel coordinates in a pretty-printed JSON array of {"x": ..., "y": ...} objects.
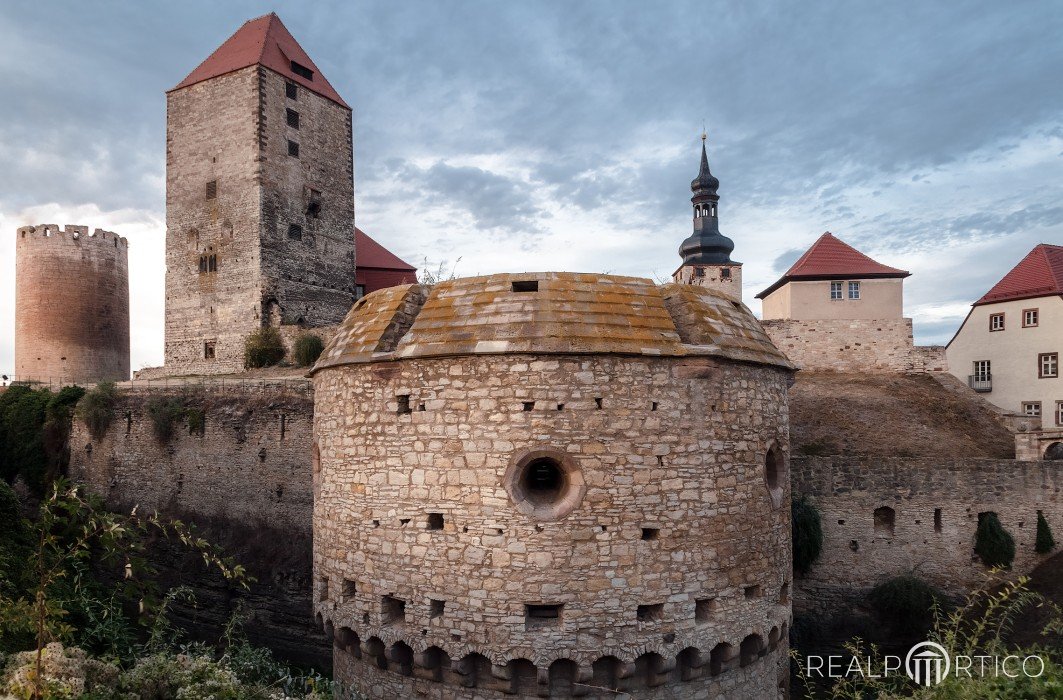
[{"x": 491, "y": 199}]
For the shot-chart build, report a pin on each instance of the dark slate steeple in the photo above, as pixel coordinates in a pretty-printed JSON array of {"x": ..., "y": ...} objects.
[{"x": 706, "y": 246}]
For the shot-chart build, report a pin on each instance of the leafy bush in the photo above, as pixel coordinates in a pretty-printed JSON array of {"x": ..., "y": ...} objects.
[
  {"x": 96, "y": 408},
  {"x": 263, "y": 348},
  {"x": 993, "y": 543},
  {"x": 164, "y": 413},
  {"x": 22, "y": 414},
  {"x": 34, "y": 428},
  {"x": 978, "y": 628},
  {"x": 807, "y": 534},
  {"x": 1045, "y": 542},
  {"x": 906, "y": 604},
  {"x": 306, "y": 349}
]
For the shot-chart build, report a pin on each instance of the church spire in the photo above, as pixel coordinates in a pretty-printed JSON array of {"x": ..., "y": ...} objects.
[{"x": 706, "y": 246}]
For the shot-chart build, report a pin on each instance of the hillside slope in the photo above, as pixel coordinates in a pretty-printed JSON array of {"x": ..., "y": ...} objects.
[{"x": 897, "y": 415}]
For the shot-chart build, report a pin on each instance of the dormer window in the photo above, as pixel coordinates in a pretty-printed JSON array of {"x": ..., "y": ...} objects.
[{"x": 302, "y": 71}]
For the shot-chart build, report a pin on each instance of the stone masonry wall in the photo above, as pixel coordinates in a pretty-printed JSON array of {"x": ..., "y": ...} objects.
[
  {"x": 245, "y": 479},
  {"x": 854, "y": 345},
  {"x": 935, "y": 507},
  {"x": 212, "y": 136},
  {"x": 71, "y": 304},
  {"x": 309, "y": 281},
  {"x": 234, "y": 131},
  {"x": 672, "y": 567}
]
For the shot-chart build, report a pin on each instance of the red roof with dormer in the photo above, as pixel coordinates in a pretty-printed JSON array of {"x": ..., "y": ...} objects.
[
  {"x": 1039, "y": 274},
  {"x": 263, "y": 41},
  {"x": 831, "y": 258}
]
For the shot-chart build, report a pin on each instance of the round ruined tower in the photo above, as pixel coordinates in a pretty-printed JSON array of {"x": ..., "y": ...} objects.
[
  {"x": 71, "y": 304},
  {"x": 553, "y": 484}
]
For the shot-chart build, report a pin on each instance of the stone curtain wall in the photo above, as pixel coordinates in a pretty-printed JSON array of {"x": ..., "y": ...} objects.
[
  {"x": 424, "y": 565},
  {"x": 71, "y": 304},
  {"x": 246, "y": 481},
  {"x": 857, "y": 555},
  {"x": 854, "y": 345},
  {"x": 251, "y": 463}
]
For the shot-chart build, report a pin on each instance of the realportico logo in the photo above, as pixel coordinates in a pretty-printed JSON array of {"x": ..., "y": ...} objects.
[{"x": 927, "y": 664}]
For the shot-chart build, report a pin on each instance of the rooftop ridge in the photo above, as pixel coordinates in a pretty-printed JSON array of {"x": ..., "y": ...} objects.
[{"x": 263, "y": 41}]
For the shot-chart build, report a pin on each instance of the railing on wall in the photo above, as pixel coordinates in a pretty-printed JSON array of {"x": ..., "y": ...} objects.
[
  {"x": 982, "y": 383},
  {"x": 287, "y": 385}
]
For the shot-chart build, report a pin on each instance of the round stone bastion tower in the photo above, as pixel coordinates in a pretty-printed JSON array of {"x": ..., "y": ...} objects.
[
  {"x": 71, "y": 304},
  {"x": 553, "y": 485}
]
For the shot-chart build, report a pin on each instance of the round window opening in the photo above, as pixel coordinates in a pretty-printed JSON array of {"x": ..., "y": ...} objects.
[
  {"x": 543, "y": 480},
  {"x": 544, "y": 484}
]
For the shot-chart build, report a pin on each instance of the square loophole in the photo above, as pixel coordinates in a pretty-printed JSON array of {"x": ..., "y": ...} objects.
[
  {"x": 538, "y": 616},
  {"x": 435, "y": 521},
  {"x": 704, "y": 609},
  {"x": 650, "y": 613},
  {"x": 650, "y": 534},
  {"x": 392, "y": 610},
  {"x": 436, "y": 607},
  {"x": 526, "y": 286}
]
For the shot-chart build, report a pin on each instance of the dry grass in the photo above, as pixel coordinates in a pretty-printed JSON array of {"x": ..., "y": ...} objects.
[{"x": 892, "y": 415}]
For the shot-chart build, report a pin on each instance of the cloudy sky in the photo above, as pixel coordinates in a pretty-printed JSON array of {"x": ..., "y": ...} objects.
[{"x": 502, "y": 136}]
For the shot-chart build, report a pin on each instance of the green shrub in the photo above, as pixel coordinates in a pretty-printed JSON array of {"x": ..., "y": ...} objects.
[
  {"x": 1045, "y": 542},
  {"x": 263, "y": 348},
  {"x": 22, "y": 414},
  {"x": 164, "y": 413},
  {"x": 197, "y": 421},
  {"x": 993, "y": 543},
  {"x": 96, "y": 408},
  {"x": 306, "y": 349},
  {"x": 807, "y": 534},
  {"x": 906, "y": 604}
]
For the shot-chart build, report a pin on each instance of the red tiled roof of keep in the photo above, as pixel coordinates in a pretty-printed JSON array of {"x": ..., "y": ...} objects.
[
  {"x": 262, "y": 41},
  {"x": 369, "y": 253},
  {"x": 1039, "y": 274},
  {"x": 832, "y": 258}
]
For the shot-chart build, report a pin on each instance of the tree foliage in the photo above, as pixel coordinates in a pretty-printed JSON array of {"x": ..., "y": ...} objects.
[
  {"x": 906, "y": 604},
  {"x": 164, "y": 412},
  {"x": 263, "y": 348},
  {"x": 1045, "y": 542},
  {"x": 34, "y": 427},
  {"x": 993, "y": 543},
  {"x": 96, "y": 409},
  {"x": 306, "y": 349},
  {"x": 807, "y": 531}
]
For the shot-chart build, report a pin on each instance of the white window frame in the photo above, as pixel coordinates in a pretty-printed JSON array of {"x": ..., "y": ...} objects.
[
  {"x": 836, "y": 291},
  {"x": 996, "y": 322},
  {"x": 983, "y": 370},
  {"x": 1048, "y": 365},
  {"x": 1031, "y": 408},
  {"x": 1059, "y": 412},
  {"x": 854, "y": 291},
  {"x": 1030, "y": 318}
]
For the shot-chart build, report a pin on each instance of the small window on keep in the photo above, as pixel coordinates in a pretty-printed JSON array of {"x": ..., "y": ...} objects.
[
  {"x": 295, "y": 232},
  {"x": 212, "y": 189},
  {"x": 292, "y": 118},
  {"x": 291, "y": 91},
  {"x": 293, "y": 149}
]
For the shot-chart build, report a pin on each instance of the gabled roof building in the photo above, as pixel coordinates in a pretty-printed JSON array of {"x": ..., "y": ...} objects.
[
  {"x": 1008, "y": 347},
  {"x": 834, "y": 280}
]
